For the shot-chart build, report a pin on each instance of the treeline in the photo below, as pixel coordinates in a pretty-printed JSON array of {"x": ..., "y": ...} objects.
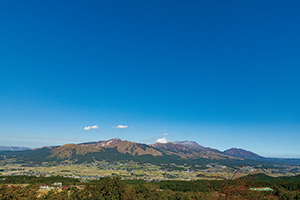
[
  {"x": 113, "y": 189},
  {"x": 38, "y": 180},
  {"x": 108, "y": 189}
]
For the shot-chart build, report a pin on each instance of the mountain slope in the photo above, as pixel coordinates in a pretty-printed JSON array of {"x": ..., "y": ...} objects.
[
  {"x": 196, "y": 146},
  {"x": 241, "y": 153},
  {"x": 191, "y": 145},
  {"x": 68, "y": 151},
  {"x": 191, "y": 150},
  {"x": 126, "y": 147}
]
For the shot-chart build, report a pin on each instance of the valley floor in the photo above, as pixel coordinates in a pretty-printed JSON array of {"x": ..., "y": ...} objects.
[{"x": 131, "y": 170}]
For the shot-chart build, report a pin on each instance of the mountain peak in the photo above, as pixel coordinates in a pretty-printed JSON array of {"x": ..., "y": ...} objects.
[
  {"x": 102, "y": 143},
  {"x": 242, "y": 153},
  {"x": 174, "y": 147},
  {"x": 190, "y": 144},
  {"x": 191, "y": 150},
  {"x": 110, "y": 142}
]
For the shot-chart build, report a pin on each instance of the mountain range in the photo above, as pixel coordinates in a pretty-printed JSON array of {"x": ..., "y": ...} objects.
[
  {"x": 118, "y": 150},
  {"x": 7, "y": 148}
]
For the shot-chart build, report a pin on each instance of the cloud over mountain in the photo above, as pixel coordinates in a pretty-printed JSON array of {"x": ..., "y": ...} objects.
[{"x": 162, "y": 140}]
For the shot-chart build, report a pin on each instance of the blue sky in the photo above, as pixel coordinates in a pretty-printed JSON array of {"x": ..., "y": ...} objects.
[{"x": 222, "y": 73}]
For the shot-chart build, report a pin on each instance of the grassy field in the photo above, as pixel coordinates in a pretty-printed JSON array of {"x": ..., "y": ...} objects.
[
  {"x": 128, "y": 170},
  {"x": 138, "y": 172}
]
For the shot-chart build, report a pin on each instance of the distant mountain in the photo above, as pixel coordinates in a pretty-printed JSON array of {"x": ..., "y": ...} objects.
[
  {"x": 190, "y": 149},
  {"x": 113, "y": 150},
  {"x": 180, "y": 152},
  {"x": 241, "y": 153},
  {"x": 103, "y": 143},
  {"x": 196, "y": 146},
  {"x": 190, "y": 144},
  {"x": 7, "y": 148},
  {"x": 248, "y": 155},
  {"x": 126, "y": 147}
]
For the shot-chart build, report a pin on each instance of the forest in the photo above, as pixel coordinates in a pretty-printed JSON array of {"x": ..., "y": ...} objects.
[{"x": 114, "y": 188}]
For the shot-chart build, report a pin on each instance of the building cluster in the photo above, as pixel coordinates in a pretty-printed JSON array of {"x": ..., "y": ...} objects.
[{"x": 56, "y": 185}]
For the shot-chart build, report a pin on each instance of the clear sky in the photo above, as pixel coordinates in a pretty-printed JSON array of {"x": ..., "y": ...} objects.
[{"x": 221, "y": 73}]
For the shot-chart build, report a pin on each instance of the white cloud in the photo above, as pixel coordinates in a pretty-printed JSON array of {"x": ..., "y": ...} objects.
[
  {"x": 87, "y": 128},
  {"x": 121, "y": 127},
  {"x": 162, "y": 140},
  {"x": 165, "y": 134}
]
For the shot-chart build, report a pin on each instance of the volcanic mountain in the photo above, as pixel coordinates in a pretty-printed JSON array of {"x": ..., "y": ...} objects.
[
  {"x": 116, "y": 145},
  {"x": 241, "y": 153},
  {"x": 181, "y": 152},
  {"x": 191, "y": 145},
  {"x": 191, "y": 150},
  {"x": 196, "y": 146},
  {"x": 117, "y": 150}
]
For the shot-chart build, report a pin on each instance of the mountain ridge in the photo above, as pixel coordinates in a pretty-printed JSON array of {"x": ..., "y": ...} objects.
[
  {"x": 116, "y": 149},
  {"x": 242, "y": 153},
  {"x": 191, "y": 150},
  {"x": 13, "y": 148}
]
